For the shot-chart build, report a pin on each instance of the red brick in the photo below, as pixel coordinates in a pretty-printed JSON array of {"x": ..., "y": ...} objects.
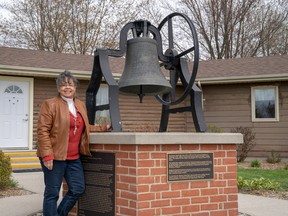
[
  {"x": 232, "y": 154},
  {"x": 111, "y": 147},
  {"x": 127, "y": 211},
  {"x": 219, "y": 198},
  {"x": 220, "y": 168},
  {"x": 218, "y": 183},
  {"x": 122, "y": 186},
  {"x": 144, "y": 155},
  {"x": 170, "y": 194},
  {"x": 127, "y": 179},
  {"x": 132, "y": 155},
  {"x": 232, "y": 182},
  {"x": 143, "y": 205},
  {"x": 229, "y": 161},
  {"x": 160, "y": 203},
  {"x": 121, "y": 202},
  {"x": 209, "y": 191},
  {"x": 180, "y": 201},
  {"x": 128, "y": 195},
  {"x": 232, "y": 175},
  {"x": 199, "y": 184},
  {"x": 159, "y": 187},
  {"x": 143, "y": 171},
  {"x": 145, "y": 180},
  {"x": 146, "y": 196},
  {"x": 132, "y": 204},
  {"x": 220, "y": 154},
  {"x": 157, "y": 155},
  {"x": 190, "y": 193},
  {"x": 143, "y": 188},
  {"x": 231, "y": 190},
  {"x": 229, "y": 147},
  {"x": 133, "y": 188},
  {"x": 129, "y": 163},
  {"x": 179, "y": 186},
  {"x": 171, "y": 211},
  {"x": 146, "y": 163},
  {"x": 233, "y": 212},
  {"x": 127, "y": 147},
  {"x": 122, "y": 155},
  {"x": 158, "y": 171},
  {"x": 232, "y": 168},
  {"x": 132, "y": 171},
  {"x": 199, "y": 199},
  {"x": 190, "y": 147},
  {"x": 209, "y": 207},
  {"x": 146, "y": 212},
  {"x": 207, "y": 147},
  {"x": 122, "y": 170},
  {"x": 170, "y": 147},
  {"x": 146, "y": 148},
  {"x": 231, "y": 205},
  {"x": 191, "y": 208},
  {"x": 219, "y": 213},
  {"x": 233, "y": 197}
]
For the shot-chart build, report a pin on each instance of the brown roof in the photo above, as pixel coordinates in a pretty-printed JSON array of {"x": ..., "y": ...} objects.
[
  {"x": 208, "y": 70},
  {"x": 244, "y": 66}
]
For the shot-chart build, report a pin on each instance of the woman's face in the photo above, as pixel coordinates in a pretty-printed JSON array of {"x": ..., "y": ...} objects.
[{"x": 67, "y": 89}]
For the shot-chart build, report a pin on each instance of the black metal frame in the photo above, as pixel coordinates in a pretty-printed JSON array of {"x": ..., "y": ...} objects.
[{"x": 171, "y": 60}]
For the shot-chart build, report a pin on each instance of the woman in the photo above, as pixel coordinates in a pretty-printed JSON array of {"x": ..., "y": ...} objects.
[{"x": 63, "y": 134}]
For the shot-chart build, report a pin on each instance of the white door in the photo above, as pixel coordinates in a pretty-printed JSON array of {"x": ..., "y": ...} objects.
[{"x": 14, "y": 114}]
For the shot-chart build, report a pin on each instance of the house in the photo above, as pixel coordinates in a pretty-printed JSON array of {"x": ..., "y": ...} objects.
[{"x": 248, "y": 92}]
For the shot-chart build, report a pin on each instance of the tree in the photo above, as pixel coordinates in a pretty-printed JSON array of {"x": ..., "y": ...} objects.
[
  {"x": 241, "y": 28},
  {"x": 70, "y": 26}
]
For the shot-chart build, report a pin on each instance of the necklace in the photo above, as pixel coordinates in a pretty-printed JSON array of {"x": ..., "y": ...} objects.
[{"x": 75, "y": 124}]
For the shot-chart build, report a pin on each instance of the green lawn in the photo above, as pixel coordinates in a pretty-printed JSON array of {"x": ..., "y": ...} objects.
[{"x": 276, "y": 175}]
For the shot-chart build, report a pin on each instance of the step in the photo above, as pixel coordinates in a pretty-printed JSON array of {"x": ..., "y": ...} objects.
[
  {"x": 17, "y": 166},
  {"x": 20, "y": 153},
  {"x": 23, "y": 160}
]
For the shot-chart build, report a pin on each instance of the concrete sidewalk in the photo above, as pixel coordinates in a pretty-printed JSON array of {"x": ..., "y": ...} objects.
[{"x": 27, "y": 205}]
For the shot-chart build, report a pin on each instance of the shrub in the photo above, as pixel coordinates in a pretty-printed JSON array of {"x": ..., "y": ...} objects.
[
  {"x": 5, "y": 171},
  {"x": 257, "y": 184},
  {"x": 248, "y": 142},
  {"x": 255, "y": 163},
  {"x": 274, "y": 158}
]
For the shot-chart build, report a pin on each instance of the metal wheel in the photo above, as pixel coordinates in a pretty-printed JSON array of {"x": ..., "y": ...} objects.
[{"x": 176, "y": 65}]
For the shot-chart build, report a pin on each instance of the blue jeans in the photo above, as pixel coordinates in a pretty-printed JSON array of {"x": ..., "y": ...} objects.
[{"x": 72, "y": 172}]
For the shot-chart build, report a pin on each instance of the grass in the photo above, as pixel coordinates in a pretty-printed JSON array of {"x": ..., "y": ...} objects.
[{"x": 276, "y": 175}]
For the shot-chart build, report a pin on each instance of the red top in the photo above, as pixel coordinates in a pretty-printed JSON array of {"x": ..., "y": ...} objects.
[{"x": 74, "y": 139}]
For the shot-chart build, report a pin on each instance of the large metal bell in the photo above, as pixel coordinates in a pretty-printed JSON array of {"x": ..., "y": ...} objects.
[{"x": 142, "y": 74}]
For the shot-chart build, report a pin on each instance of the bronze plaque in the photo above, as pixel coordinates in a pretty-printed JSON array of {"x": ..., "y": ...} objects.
[
  {"x": 190, "y": 166},
  {"x": 99, "y": 196}
]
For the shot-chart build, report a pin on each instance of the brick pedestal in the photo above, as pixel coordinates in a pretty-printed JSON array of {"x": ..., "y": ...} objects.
[{"x": 142, "y": 188}]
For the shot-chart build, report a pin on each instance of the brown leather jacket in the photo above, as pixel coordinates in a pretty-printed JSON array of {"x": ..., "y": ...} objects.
[{"x": 53, "y": 128}]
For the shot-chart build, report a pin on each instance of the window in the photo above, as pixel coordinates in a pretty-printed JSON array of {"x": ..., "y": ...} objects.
[
  {"x": 102, "y": 116},
  {"x": 13, "y": 89},
  {"x": 265, "y": 103}
]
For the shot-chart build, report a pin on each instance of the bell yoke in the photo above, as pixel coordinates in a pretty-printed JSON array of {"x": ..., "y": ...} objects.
[{"x": 142, "y": 73}]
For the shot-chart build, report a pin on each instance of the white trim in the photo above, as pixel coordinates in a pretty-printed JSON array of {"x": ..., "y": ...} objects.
[
  {"x": 44, "y": 72},
  {"x": 244, "y": 79},
  {"x": 254, "y": 119},
  {"x": 30, "y": 104}
]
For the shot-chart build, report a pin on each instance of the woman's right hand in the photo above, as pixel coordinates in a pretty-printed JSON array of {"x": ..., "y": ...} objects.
[{"x": 48, "y": 164}]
